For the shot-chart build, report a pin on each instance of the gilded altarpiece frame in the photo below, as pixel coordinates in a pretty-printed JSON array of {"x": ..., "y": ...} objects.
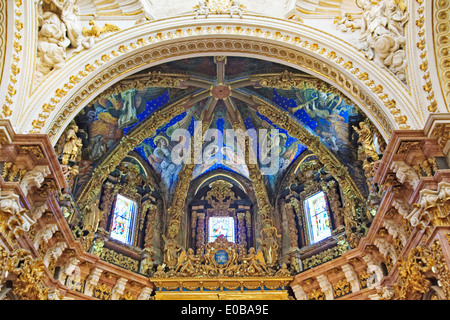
[
  {"x": 220, "y": 198},
  {"x": 299, "y": 209}
]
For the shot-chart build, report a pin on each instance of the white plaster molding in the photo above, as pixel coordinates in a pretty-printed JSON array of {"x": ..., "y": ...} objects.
[
  {"x": 299, "y": 292},
  {"x": 37, "y": 211},
  {"x": 35, "y": 177},
  {"x": 53, "y": 295},
  {"x": 373, "y": 267},
  {"x": 92, "y": 280},
  {"x": 374, "y": 297},
  {"x": 402, "y": 207},
  {"x": 54, "y": 253},
  {"x": 10, "y": 203},
  {"x": 19, "y": 221},
  {"x": 68, "y": 269},
  {"x": 145, "y": 294},
  {"x": 44, "y": 235},
  {"x": 351, "y": 277},
  {"x": 325, "y": 286},
  {"x": 405, "y": 174},
  {"x": 386, "y": 248},
  {"x": 428, "y": 199},
  {"x": 118, "y": 289},
  {"x": 395, "y": 230}
]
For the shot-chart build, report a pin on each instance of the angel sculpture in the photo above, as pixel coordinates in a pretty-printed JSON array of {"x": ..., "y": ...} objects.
[
  {"x": 187, "y": 262},
  {"x": 254, "y": 262},
  {"x": 96, "y": 31},
  {"x": 171, "y": 249}
]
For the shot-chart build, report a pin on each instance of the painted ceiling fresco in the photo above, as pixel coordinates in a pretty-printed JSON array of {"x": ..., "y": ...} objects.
[{"x": 106, "y": 120}]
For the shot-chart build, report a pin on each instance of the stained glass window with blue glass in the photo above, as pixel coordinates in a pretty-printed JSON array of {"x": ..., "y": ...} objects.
[
  {"x": 318, "y": 218},
  {"x": 221, "y": 226},
  {"x": 122, "y": 221}
]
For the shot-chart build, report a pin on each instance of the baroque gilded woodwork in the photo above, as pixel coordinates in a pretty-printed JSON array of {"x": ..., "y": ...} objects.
[{"x": 413, "y": 282}]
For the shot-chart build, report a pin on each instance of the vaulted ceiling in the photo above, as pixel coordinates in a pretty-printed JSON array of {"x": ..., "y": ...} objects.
[{"x": 224, "y": 93}]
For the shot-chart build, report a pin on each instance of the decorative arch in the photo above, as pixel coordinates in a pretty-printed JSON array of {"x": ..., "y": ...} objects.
[{"x": 375, "y": 91}]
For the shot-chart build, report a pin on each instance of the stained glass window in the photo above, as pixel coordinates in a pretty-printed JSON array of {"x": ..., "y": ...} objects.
[
  {"x": 122, "y": 221},
  {"x": 319, "y": 221},
  {"x": 221, "y": 226}
]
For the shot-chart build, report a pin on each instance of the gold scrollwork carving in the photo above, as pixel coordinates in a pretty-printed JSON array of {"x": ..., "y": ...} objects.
[
  {"x": 413, "y": 282},
  {"x": 119, "y": 259},
  {"x": 341, "y": 288}
]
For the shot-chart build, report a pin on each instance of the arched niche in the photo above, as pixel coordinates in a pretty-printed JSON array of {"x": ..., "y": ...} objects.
[{"x": 221, "y": 194}]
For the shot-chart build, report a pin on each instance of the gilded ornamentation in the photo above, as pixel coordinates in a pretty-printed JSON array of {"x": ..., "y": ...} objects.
[
  {"x": 12, "y": 173},
  {"x": 413, "y": 283},
  {"x": 177, "y": 208},
  {"x": 406, "y": 146},
  {"x": 341, "y": 288},
  {"x": 14, "y": 219},
  {"x": 97, "y": 31},
  {"x": 30, "y": 273},
  {"x": 441, "y": 133},
  {"x": 16, "y": 57},
  {"x": 269, "y": 245},
  {"x": 241, "y": 230},
  {"x": 289, "y": 80},
  {"x": 34, "y": 150},
  {"x": 424, "y": 66},
  {"x": 432, "y": 209},
  {"x": 440, "y": 267},
  {"x": 316, "y": 295},
  {"x": 143, "y": 81},
  {"x": 171, "y": 249},
  {"x": 219, "y": 258},
  {"x": 293, "y": 233},
  {"x": 127, "y": 296},
  {"x": 151, "y": 210},
  {"x": 72, "y": 146},
  {"x": 97, "y": 246},
  {"x": 119, "y": 259},
  {"x": 363, "y": 278},
  {"x": 102, "y": 292},
  {"x": 427, "y": 168},
  {"x": 322, "y": 257},
  {"x": 366, "y": 139},
  {"x": 220, "y": 197}
]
